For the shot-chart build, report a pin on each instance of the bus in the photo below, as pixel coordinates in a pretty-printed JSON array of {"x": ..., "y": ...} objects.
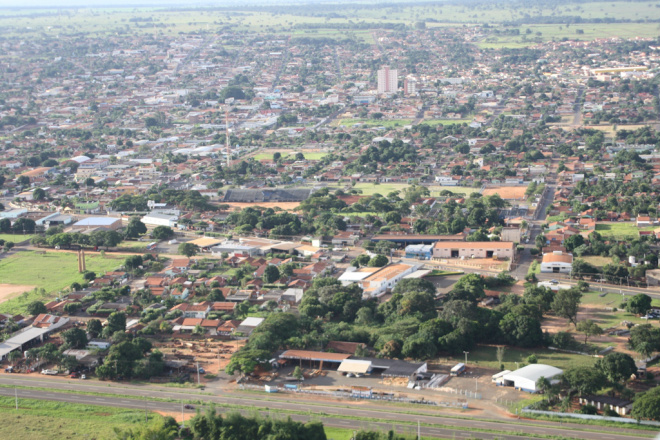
[
  {"x": 458, "y": 369},
  {"x": 152, "y": 246}
]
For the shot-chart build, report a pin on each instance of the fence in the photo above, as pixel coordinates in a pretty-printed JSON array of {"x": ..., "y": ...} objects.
[
  {"x": 461, "y": 392},
  {"x": 589, "y": 417}
]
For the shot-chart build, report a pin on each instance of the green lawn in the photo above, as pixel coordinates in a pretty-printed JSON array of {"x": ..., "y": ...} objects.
[
  {"x": 486, "y": 357},
  {"x": 51, "y": 272},
  {"x": 369, "y": 189},
  {"x": 16, "y": 238},
  {"x": 621, "y": 231},
  {"x": 43, "y": 419}
]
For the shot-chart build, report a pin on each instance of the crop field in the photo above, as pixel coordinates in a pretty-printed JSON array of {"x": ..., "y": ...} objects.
[
  {"x": 43, "y": 419},
  {"x": 51, "y": 272}
]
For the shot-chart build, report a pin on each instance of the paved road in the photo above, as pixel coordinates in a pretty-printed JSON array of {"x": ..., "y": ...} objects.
[{"x": 341, "y": 413}]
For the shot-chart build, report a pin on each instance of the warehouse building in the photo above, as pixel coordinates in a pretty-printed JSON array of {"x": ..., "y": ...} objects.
[
  {"x": 474, "y": 249},
  {"x": 525, "y": 378},
  {"x": 103, "y": 223},
  {"x": 557, "y": 262}
]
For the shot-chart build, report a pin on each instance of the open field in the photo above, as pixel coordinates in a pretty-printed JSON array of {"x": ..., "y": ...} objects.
[
  {"x": 51, "y": 272},
  {"x": 16, "y": 238},
  {"x": 369, "y": 189},
  {"x": 485, "y": 356},
  {"x": 47, "y": 420},
  {"x": 620, "y": 231},
  {"x": 136, "y": 246},
  {"x": 596, "y": 260},
  {"x": 507, "y": 192}
]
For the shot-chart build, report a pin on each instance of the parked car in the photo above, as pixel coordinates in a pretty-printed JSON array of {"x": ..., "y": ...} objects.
[
  {"x": 83, "y": 377},
  {"x": 9, "y": 370},
  {"x": 188, "y": 406},
  {"x": 74, "y": 375},
  {"x": 201, "y": 370},
  {"x": 50, "y": 372}
]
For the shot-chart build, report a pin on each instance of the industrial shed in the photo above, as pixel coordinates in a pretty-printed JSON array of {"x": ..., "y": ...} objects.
[{"x": 525, "y": 378}]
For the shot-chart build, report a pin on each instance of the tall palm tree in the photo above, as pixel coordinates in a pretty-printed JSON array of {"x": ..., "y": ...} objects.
[{"x": 542, "y": 384}]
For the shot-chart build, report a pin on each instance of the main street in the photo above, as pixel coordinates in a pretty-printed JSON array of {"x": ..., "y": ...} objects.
[{"x": 344, "y": 414}]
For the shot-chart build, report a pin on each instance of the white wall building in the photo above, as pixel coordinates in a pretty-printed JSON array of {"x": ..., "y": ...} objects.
[
  {"x": 557, "y": 262},
  {"x": 525, "y": 378}
]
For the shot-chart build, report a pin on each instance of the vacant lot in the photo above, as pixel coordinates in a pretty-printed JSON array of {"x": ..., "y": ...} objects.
[
  {"x": 16, "y": 238},
  {"x": 50, "y": 271},
  {"x": 37, "y": 420},
  {"x": 287, "y": 206},
  {"x": 373, "y": 122},
  {"x": 8, "y": 291},
  {"x": 507, "y": 192},
  {"x": 597, "y": 260},
  {"x": 620, "y": 231},
  {"x": 465, "y": 190},
  {"x": 486, "y": 356}
]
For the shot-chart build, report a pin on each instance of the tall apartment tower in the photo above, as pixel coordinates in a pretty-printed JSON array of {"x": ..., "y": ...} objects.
[
  {"x": 409, "y": 86},
  {"x": 388, "y": 80}
]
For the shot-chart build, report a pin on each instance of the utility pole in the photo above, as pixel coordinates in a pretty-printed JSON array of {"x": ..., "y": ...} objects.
[
  {"x": 183, "y": 419},
  {"x": 197, "y": 373},
  {"x": 146, "y": 418},
  {"x": 419, "y": 436},
  {"x": 16, "y": 396}
]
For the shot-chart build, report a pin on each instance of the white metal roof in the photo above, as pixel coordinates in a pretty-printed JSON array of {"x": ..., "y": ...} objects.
[
  {"x": 533, "y": 372},
  {"x": 251, "y": 322}
]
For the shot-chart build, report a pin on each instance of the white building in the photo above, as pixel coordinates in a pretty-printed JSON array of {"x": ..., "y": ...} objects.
[
  {"x": 388, "y": 80},
  {"x": 557, "y": 262},
  {"x": 154, "y": 219},
  {"x": 525, "y": 378}
]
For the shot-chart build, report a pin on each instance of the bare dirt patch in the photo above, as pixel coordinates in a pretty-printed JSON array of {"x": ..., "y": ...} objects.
[
  {"x": 287, "y": 206},
  {"x": 9, "y": 291},
  {"x": 507, "y": 192}
]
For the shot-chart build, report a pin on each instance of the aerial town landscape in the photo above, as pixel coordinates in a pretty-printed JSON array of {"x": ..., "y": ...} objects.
[{"x": 300, "y": 220}]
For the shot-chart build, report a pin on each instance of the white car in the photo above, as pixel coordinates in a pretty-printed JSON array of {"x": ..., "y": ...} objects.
[{"x": 50, "y": 372}]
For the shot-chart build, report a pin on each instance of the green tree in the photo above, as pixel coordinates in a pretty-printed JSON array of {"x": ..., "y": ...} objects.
[
  {"x": 521, "y": 330},
  {"x": 639, "y": 304},
  {"x": 584, "y": 380},
  {"x": 188, "y": 249},
  {"x": 589, "y": 328},
  {"x": 468, "y": 288},
  {"x": 645, "y": 339},
  {"x": 567, "y": 303},
  {"x": 617, "y": 367},
  {"x": 647, "y": 405},
  {"x": 271, "y": 274},
  {"x": 36, "y": 308},
  {"x": 75, "y": 338},
  {"x": 133, "y": 262},
  {"x": 162, "y": 233},
  {"x": 94, "y": 327},
  {"x": 378, "y": 261},
  {"x": 116, "y": 322},
  {"x": 297, "y": 373},
  {"x": 414, "y": 285},
  {"x": 135, "y": 227},
  {"x": 39, "y": 194}
]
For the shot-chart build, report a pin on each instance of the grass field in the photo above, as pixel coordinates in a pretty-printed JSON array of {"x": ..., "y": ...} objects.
[
  {"x": 42, "y": 419},
  {"x": 16, "y": 238},
  {"x": 384, "y": 189},
  {"x": 621, "y": 231},
  {"x": 52, "y": 272},
  {"x": 486, "y": 356},
  {"x": 465, "y": 190},
  {"x": 596, "y": 260},
  {"x": 135, "y": 246}
]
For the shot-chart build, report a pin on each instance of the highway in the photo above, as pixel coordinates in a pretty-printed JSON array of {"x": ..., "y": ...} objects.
[{"x": 336, "y": 414}]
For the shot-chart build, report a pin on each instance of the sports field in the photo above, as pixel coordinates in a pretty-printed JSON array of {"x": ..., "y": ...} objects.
[{"x": 49, "y": 272}]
